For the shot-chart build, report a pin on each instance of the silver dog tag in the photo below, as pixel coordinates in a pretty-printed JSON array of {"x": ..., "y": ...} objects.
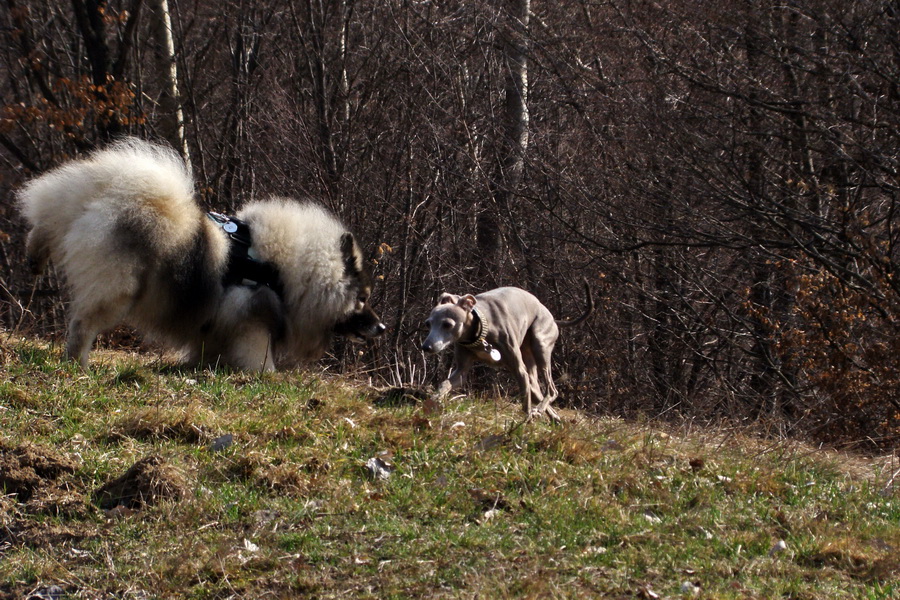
[
  {"x": 492, "y": 352},
  {"x": 229, "y": 227}
]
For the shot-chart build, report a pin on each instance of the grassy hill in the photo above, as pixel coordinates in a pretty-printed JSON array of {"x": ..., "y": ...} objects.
[{"x": 139, "y": 480}]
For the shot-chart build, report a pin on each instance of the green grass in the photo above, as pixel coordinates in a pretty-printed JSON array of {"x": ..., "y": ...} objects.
[{"x": 590, "y": 508}]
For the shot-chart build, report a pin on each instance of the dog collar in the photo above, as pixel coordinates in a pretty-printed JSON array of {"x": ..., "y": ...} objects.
[
  {"x": 243, "y": 267},
  {"x": 480, "y": 332},
  {"x": 480, "y": 344}
]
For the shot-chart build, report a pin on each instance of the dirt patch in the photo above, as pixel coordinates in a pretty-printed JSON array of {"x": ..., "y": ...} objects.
[
  {"x": 16, "y": 528},
  {"x": 40, "y": 478},
  {"x": 27, "y": 467},
  {"x": 8, "y": 510},
  {"x": 148, "y": 482},
  {"x": 61, "y": 499}
]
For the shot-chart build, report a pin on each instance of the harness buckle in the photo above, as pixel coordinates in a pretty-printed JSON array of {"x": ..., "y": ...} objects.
[{"x": 244, "y": 268}]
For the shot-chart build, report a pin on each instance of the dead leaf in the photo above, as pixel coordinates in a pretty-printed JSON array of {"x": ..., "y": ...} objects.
[
  {"x": 421, "y": 423},
  {"x": 431, "y": 407},
  {"x": 119, "y": 512}
]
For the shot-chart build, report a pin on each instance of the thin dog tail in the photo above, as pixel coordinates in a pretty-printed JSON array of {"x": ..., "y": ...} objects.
[{"x": 587, "y": 312}]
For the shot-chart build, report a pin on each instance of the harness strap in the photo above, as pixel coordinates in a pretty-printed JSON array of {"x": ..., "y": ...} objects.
[{"x": 243, "y": 268}]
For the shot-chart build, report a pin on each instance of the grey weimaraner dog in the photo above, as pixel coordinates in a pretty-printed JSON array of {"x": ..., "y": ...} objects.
[{"x": 505, "y": 327}]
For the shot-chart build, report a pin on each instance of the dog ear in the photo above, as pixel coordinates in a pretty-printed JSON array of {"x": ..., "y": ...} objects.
[
  {"x": 467, "y": 302},
  {"x": 351, "y": 255},
  {"x": 448, "y": 298}
]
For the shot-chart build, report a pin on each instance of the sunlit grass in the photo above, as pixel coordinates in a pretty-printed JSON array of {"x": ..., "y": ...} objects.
[{"x": 476, "y": 506}]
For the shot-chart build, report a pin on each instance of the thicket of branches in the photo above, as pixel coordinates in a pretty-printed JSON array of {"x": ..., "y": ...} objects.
[{"x": 725, "y": 176}]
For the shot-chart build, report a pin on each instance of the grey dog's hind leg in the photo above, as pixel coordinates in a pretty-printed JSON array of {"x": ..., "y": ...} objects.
[
  {"x": 543, "y": 353},
  {"x": 515, "y": 364},
  {"x": 537, "y": 397}
]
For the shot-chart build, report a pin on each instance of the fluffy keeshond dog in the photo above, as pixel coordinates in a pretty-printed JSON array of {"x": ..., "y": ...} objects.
[{"x": 264, "y": 289}]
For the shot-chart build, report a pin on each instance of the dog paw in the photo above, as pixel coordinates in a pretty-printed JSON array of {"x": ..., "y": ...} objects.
[
  {"x": 549, "y": 412},
  {"x": 553, "y": 415}
]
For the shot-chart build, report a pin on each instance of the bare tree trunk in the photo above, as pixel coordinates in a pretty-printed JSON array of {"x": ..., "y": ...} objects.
[
  {"x": 90, "y": 22},
  {"x": 238, "y": 178},
  {"x": 171, "y": 115},
  {"x": 92, "y": 25},
  {"x": 514, "y": 143},
  {"x": 312, "y": 35},
  {"x": 516, "y": 97},
  {"x": 764, "y": 378}
]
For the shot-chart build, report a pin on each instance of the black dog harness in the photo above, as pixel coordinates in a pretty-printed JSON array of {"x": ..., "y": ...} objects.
[{"x": 243, "y": 267}]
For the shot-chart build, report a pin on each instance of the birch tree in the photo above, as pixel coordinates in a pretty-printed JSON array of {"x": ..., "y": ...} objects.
[{"x": 170, "y": 113}]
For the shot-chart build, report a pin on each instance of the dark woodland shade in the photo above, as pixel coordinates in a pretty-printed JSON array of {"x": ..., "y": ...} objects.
[{"x": 713, "y": 171}]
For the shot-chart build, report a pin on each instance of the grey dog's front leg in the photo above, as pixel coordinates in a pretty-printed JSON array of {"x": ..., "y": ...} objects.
[{"x": 463, "y": 364}]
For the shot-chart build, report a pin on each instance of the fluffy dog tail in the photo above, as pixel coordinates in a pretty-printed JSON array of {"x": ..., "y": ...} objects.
[
  {"x": 588, "y": 310},
  {"x": 148, "y": 182}
]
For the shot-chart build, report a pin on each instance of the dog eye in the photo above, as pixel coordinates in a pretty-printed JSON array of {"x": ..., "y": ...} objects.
[{"x": 446, "y": 325}]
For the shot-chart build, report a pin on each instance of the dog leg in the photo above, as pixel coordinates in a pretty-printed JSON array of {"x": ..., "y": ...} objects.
[
  {"x": 87, "y": 323},
  {"x": 537, "y": 396},
  {"x": 83, "y": 332},
  {"x": 542, "y": 355},
  {"x": 463, "y": 364},
  {"x": 79, "y": 341},
  {"x": 514, "y": 364},
  {"x": 552, "y": 393},
  {"x": 554, "y": 416}
]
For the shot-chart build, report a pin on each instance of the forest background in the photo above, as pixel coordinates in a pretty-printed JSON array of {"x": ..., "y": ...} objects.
[{"x": 725, "y": 176}]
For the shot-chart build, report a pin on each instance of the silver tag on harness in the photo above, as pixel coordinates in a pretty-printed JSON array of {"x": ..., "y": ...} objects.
[{"x": 230, "y": 227}]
